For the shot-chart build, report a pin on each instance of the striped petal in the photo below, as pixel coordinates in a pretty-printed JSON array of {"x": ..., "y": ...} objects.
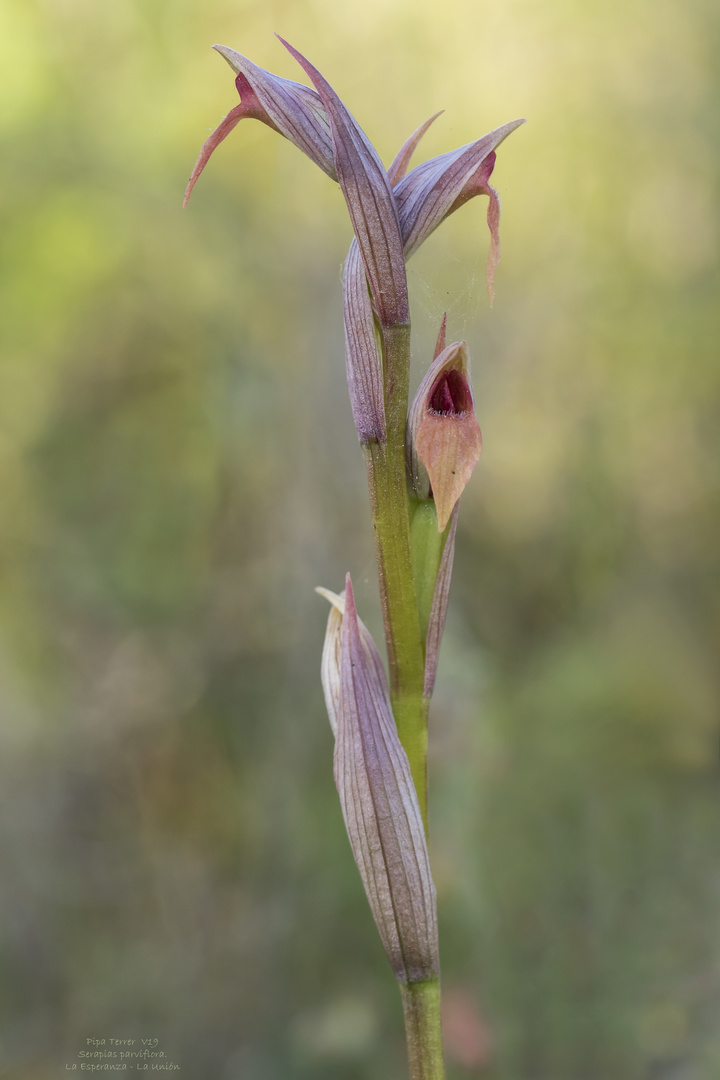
[
  {"x": 363, "y": 362},
  {"x": 292, "y": 108},
  {"x": 370, "y": 203},
  {"x": 434, "y": 189},
  {"x": 288, "y": 107}
]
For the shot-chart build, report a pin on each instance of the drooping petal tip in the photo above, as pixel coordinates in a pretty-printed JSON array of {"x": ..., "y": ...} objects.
[
  {"x": 221, "y": 132},
  {"x": 290, "y": 108},
  {"x": 436, "y": 188}
]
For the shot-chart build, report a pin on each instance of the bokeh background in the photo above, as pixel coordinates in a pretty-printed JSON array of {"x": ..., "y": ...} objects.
[{"x": 179, "y": 470}]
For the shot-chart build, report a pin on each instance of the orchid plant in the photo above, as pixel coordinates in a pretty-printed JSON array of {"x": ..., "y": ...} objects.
[{"x": 418, "y": 462}]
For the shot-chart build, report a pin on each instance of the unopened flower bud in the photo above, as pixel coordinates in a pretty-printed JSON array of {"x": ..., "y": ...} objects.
[
  {"x": 444, "y": 438},
  {"x": 377, "y": 794}
]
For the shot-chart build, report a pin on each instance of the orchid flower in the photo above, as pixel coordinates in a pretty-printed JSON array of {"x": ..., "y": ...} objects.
[
  {"x": 418, "y": 465},
  {"x": 444, "y": 438}
]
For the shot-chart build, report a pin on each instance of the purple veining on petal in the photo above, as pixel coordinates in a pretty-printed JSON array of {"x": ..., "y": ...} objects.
[
  {"x": 294, "y": 109},
  {"x": 370, "y": 203},
  {"x": 363, "y": 362},
  {"x": 290, "y": 108},
  {"x": 428, "y": 193}
]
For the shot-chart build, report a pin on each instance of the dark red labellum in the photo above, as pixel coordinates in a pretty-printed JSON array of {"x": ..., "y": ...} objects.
[{"x": 451, "y": 395}]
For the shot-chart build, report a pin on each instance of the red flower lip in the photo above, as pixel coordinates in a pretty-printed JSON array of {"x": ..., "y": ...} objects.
[{"x": 444, "y": 437}]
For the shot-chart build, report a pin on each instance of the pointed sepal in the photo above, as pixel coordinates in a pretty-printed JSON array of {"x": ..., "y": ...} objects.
[
  {"x": 439, "y": 186},
  {"x": 402, "y": 159},
  {"x": 370, "y": 202},
  {"x": 290, "y": 108}
]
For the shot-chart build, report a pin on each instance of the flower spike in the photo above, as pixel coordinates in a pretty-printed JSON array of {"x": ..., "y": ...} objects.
[
  {"x": 292, "y": 108},
  {"x": 378, "y": 798},
  {"x": 444, "y": 439},
  {"x": 418, "y": 464}
]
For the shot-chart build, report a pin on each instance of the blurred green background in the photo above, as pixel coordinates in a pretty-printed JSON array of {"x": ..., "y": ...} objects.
[{"x": 179, "y": 469}]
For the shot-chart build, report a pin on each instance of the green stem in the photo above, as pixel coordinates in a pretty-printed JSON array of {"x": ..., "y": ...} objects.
[
  {"x": 406, "y": 652},
  {"x": 389, "y": 502},
  {"x": 421, "y": 1006},
  {"x": 427, "y": 546}
]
